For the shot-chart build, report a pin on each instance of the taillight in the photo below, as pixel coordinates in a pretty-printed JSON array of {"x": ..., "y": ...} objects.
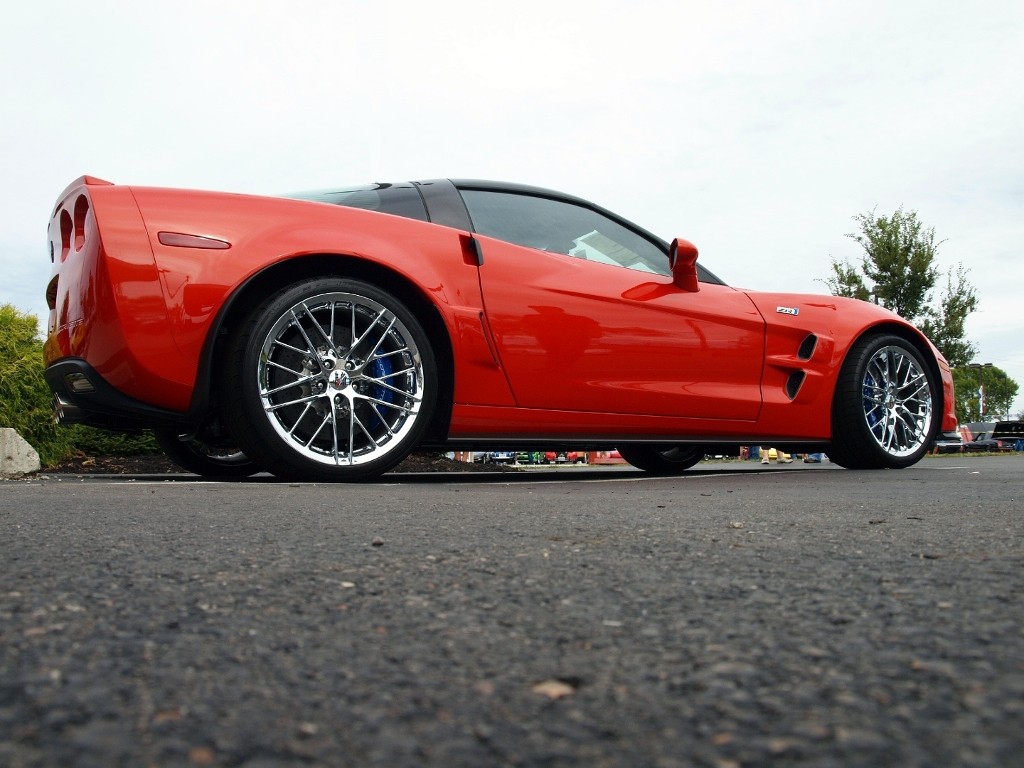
[
  {"x": 73, "y": 233},
  {"x": 81, "y": 210},
  {"x": 51, "y": 293},
  {"x": 66, "y": 227}
]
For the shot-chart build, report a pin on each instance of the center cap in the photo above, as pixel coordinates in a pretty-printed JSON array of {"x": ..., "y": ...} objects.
[{"x": 339, "y": 380}]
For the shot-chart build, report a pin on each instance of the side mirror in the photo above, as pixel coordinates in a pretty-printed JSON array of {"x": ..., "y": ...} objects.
[{"x": 682, "y": 260}]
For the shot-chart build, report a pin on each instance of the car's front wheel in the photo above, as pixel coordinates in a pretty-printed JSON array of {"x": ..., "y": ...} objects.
[
  {"x": 885, "y": 413},
  {"x": 331, "y": 379},
  {"x": 660, "y": 459}
]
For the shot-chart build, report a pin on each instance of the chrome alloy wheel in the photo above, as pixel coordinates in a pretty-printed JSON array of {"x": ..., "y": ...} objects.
[
  {"x": 897, "y": 401},
  {"x": 340, "y": 379}
]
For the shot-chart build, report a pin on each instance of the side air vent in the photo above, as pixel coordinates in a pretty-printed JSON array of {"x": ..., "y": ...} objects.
[
  {"x": 807, "y": 347},
  {"x": 796, "y": 378}
]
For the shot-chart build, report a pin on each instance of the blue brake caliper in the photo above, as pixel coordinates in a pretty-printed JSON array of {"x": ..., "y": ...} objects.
[
  {"x": 381, "y": 368},
  {"x": 871, "y": 405}
]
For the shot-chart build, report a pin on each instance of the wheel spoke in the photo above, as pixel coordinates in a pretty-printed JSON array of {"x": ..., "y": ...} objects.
[
  {"x": 312, "y": 318},
  {"x": 384, "y": 385},
  {"x": 278, "y": 406},
  {"x": 285, "y": 368},
  {"x": 357, "y": 422},
  {"x": 301, "y": 417},
  {"x": 373, "y": 352},
  {"x": 369, "y": 328},
  {"x": 310, "y": 346},
  {"x": 289, "y": 385},
  {"x": 319, "y": 429},
  {"x": 405, "y": 409},
  {"x": 335, "y": 448},
  {"x": 279, "y": 343},
  {"x": 351, "y": 432}
]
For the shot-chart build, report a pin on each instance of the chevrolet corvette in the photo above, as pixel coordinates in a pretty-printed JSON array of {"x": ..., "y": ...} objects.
[{"x": 326, "y": 335}]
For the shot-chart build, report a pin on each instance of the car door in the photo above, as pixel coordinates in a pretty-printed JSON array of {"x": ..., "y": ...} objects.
[{"x": 586, "y": 318}]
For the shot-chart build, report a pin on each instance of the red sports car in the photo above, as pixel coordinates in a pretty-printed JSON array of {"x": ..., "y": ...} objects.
[{"x": 324, "y": 336}]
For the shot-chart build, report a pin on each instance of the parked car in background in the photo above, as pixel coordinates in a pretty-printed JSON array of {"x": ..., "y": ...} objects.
[
  {"x": 565, "y": 457},
  {"x": 529, "y": 457},
  {"x": 1010, "y": 433},
  {"x": 494, "y": 457},
  {"x": 605, "y": 457},
  {"x": 983, "y": 442}
]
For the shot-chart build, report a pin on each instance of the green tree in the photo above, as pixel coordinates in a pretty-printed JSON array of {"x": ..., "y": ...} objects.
[
  {"x": 25, "y": 400},
  {"x": 898, "y": 268},
  {"x": 944, "y": 324},
  {"x": 24, "y": 395},
  {"x": 1000, "y": 391}
]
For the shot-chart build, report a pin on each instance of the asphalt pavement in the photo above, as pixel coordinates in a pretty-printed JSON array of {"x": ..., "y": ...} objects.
[{"x": 738, "y": 615}]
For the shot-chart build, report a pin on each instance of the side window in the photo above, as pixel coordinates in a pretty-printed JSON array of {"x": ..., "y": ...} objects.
[
  {"x": 396, "y": 199},
  {"x": 562, "y": 227}
]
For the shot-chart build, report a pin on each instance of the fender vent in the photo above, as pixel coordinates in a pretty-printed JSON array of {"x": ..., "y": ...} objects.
[
  {"x": 807, "y": 347},
  {"x": 796, "y": 378}
]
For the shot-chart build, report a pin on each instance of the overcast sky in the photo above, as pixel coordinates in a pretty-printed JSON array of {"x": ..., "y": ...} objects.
[{"x": 758, "y": 130}]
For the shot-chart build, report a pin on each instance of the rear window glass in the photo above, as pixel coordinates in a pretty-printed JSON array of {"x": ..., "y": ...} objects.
[{"x": 396, "y": 199}]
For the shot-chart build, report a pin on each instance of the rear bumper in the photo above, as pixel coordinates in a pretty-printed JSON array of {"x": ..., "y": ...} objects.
[{"x": 82, "y": 396}]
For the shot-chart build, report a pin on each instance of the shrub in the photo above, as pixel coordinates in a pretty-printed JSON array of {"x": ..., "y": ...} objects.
[{"x": 25, "y": 400}]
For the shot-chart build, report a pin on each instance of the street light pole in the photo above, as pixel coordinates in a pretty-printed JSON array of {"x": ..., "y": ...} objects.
[{"x": 980, "y": 367}]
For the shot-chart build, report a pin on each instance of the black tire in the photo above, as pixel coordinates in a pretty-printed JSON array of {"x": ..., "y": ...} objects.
[
  {"x": 206, "y": 459},
  {"x": 887, "y": 405},
  {"x": 662, "y": 460},
  {"x": 331, "y": 379}
]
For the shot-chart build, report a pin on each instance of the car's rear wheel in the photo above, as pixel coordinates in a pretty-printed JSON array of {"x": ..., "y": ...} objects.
[
  {"x": 331, "y": 379},
  {"x": 205, "y": 456},
  {"x": 886, "y": 405},
  {"x": 660, "y": 459}
]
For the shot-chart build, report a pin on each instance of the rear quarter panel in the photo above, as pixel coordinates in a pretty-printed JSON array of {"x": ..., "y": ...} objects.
[
  {"x": 264, "y": 232},
  {"x": 108, "y": 307},
  {"x": 140, "y": 311}
]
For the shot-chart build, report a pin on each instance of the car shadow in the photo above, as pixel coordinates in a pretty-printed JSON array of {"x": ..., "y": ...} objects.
[{"x": 476, "y": 477}]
